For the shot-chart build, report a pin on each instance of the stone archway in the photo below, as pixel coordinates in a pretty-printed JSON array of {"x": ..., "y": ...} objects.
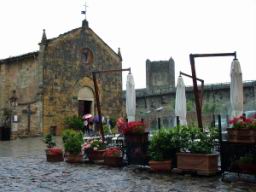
[{"x": 85, "y": 101}]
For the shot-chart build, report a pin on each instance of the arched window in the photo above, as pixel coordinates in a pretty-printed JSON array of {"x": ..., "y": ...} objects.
[{"x": 87, "y": 56}]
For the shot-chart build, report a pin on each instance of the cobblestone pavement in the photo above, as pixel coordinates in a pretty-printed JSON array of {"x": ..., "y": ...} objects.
[{"x": 23, "y": 167}]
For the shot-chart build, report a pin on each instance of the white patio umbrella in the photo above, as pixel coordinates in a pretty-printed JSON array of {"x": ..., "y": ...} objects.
[
  {"x": 180, "y": 102},
  {"x": 130, "y": 98},
  {"x": 236, "y": 89}
]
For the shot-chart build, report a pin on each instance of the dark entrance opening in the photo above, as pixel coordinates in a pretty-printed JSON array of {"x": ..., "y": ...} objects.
[{"x": 84, "y": 107}]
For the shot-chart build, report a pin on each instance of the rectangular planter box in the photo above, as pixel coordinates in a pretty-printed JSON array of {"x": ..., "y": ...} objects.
[
  {"x": 202, "y": 164},
  {"x": 136, "y": 148},
  {"x": 160, "y": 166},
  {"x": 242, "y": 135},
  {"x": 247, "y": 168}
]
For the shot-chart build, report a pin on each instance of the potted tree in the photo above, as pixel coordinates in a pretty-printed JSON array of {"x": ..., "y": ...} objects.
[
  {"x": 73, "y": 141},
  {"x": 243, "y": 130},
  {"x": 162, "y": 149},
  {"x": 53, "y": 153},
  {"x": 198, "y": 155}
]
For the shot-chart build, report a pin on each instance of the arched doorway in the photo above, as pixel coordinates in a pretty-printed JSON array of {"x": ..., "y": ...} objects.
[{"x": 85, "y": 101}]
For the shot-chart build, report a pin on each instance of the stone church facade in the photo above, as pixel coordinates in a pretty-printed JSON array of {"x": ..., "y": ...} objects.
[{"x": 56, "y": 82}]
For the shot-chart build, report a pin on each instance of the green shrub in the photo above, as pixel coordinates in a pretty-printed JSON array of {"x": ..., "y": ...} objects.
[
  {"x": 164, "y": 144},
  {"x": 74, "y": 122},
  {"x": 72, "y": 141},
  {"x": 195, "y": 140}
]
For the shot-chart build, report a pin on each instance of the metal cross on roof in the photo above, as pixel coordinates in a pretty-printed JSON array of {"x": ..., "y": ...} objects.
[{"x": 85, "y": 10}]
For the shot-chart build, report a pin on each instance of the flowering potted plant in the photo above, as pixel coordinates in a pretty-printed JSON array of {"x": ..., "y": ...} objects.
[
  {"x": 53, "y": 153},
  {"x": 134, "y": 127},
  {"x": 197, "y": 151},
  {"x": 243, "y": 130},
  {"x": 113, "y": 156},
  {"x": 94, "y": 149},
  {"x": 136, "y": 140}
]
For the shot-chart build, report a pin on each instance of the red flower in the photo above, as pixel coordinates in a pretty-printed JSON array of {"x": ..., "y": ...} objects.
[
  {"x": 55, "y": 150},
  {"x": 121, "y": 124},
  {"x": 134, "y": 127},
  {"x": 113, "y": 152},
  {"x": 248, "y": 120},
  {"x": 243, "y": 122}
]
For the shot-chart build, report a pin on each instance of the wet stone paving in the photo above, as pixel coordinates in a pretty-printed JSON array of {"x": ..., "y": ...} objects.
[{"x": 23, "y": 167}]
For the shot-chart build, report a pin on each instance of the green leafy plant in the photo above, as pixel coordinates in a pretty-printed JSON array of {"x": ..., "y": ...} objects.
[
  {"x": 74, "y": 122},
  {"x": 195, "y": 140},
  {"x": 72, "y": 141},
  {"x": 164, "y": 144},
  {"x": 248, "y": 159},
  {"x": 106, "y": 129},
  {"x": 48, "y": 139}
]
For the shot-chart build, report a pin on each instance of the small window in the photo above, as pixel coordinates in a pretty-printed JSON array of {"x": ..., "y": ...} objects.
[{"x": 87, "y": 56}]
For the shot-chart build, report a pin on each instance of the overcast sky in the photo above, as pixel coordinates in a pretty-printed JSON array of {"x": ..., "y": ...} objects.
[{"x": 143, "y": 29}]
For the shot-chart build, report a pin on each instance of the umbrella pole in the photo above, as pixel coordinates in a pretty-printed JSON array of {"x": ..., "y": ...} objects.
[
  {"x": 97, "y": 95},
  {"x": 196, "y": 92},
  {"x": 98, "y": 105}
]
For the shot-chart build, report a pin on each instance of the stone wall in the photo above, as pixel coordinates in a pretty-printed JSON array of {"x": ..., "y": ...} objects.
[
  {"x": 19, "y": 74},
  {"x": 216, "y": 101}
]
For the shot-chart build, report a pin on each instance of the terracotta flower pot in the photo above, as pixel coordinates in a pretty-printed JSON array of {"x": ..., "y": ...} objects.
[
  {"x": 113, "y": 161},
  {"x": 160, "y": 166},
  {"x": 73, "y": 158},
  {"x": 96, "y": 155},
  {"x": 53, "y": 157}
]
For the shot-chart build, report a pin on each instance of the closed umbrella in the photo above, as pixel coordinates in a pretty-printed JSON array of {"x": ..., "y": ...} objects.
[
  {"x": 236, "y": 89},
  {"x": 130, "y": 98},
  {"x": 180, "y": 102}
]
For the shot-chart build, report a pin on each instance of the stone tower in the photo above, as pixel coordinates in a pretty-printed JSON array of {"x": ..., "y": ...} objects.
[{"x": 160, "y": 74}]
